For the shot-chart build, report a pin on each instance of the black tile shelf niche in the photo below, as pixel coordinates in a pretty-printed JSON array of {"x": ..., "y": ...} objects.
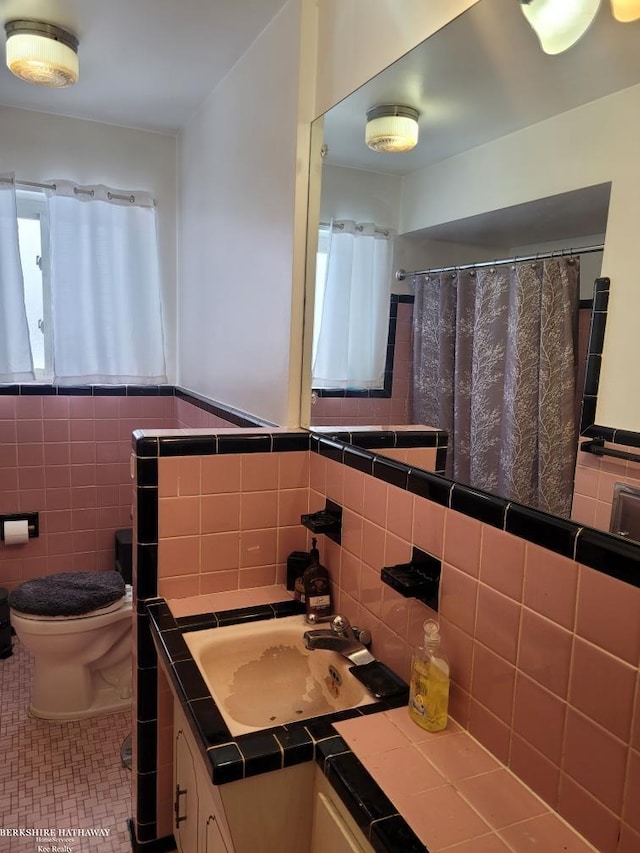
[
  {"x": 418, "y": 579},
  {"x": 327, "y": 521}
]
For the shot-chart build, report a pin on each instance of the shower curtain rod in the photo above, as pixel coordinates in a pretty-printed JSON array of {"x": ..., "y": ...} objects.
[
  {"x": 40, "y": 186},
  {"x": 540, "y": 256},
  {"x": 340, "y": 226}
]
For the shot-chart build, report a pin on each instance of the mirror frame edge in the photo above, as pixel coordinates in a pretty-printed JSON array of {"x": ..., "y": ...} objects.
[{"x": 313, "y": 221}]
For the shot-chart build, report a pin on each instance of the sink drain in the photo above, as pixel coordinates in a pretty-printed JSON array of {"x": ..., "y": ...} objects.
[{"x": 335, "y": 676}]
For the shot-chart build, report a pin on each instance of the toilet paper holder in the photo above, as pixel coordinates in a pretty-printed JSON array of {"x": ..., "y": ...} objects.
[{"x": 32, "y": 519}]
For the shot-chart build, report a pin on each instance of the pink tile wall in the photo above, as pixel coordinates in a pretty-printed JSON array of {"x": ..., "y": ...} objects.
[
  {"x": 228, "y": 522},
  {"x": 544, "y": 652},
  {"x": 188, "y": 416},
  {"x": 331, "y": 411},
  {"x": 595, "y": 479},
  {"x": 67, "y": 458}
]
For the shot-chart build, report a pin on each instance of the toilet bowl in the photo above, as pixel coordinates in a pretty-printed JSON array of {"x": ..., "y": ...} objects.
[{"x": 78, "y": 627}]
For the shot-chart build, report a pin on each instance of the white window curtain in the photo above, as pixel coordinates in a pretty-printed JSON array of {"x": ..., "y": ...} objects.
[
  {"x": 16, "y": 364},
  {"x": 105, "y": 286},
  {"x": 351, "y": 318}
]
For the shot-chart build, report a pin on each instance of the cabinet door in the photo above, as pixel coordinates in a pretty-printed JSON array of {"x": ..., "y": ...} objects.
[
  {"x": 213, "y": 841},
  {"x": 185, "y": 804},
  {"x": 330, "y": 833}
]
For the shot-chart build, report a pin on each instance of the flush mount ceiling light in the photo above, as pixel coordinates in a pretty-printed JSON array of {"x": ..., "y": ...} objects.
[
  {"x": 625, "y": 10},
  {"x": 559, "y": 23},
  {"x": 42, "y": 54},
  {"x": 392, "y": 128}
]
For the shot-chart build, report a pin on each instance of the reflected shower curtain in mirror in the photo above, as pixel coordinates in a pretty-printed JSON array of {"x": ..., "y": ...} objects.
[
  {"x": 351, "y": 317},
  {"x": 495, "y": 364},
  {"x": 16, "y": 364}
]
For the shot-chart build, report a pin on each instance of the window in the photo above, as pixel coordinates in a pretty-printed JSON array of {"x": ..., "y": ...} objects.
[
  {"x": 33, "y": 234},
  {"x": 80, "y": 295}
]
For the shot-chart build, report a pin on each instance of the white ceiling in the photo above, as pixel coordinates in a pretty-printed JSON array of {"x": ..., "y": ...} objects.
[
  {"x": 481, "y": 77},
  {"x": 143, "y": 63}
]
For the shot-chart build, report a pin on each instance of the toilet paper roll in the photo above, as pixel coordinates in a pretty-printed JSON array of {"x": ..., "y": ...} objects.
[{"x": 16, "y": 532}]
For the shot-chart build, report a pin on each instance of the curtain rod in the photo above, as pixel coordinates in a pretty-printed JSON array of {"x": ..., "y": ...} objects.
[
  {"x": 36, "y": 185},
  {"x": 340, "y": 227},
  {"x": 540, "y": 256}
]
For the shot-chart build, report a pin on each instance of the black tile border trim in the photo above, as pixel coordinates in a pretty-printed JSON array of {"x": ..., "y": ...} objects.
[
  {"x": 381, "y": 440},
  {"x": 365, "y": 800},
  {"x": 213, "y": 407},
  {"x": 588, "y": 427},
  {"x": 213, "y": 443},
  {"x": 156, "y": 845},
  {"x": 227, "y": 413},
  {"x": 613, "y": 555},
  {"x": 231, "y": 758}
]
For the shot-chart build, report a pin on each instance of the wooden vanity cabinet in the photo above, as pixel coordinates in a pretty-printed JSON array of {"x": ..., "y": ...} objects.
[
  {"x": 198, "y": 817},
  {"x": 294, "y": 810},
  {"x": 333, "y": 829},
  {"x": 260, "y": 814}
]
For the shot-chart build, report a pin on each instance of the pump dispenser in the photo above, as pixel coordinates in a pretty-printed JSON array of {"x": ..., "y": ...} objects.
[
  {"x": 429, "y": 686},
  {"x": 317, "y": 586}
]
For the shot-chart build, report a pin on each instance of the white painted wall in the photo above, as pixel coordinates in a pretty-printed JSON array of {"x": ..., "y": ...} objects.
[
  {"x": 544, "y": 160},
  {"x": 237, "y": 220},
  {"x": 359, "y": 38},
  {"x": 360, "y": 195},
  {"x": 37, "y": 147}
]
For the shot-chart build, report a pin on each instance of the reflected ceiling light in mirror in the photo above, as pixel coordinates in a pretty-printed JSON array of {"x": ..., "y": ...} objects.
[
  {"x": 559, "y": 23},
  {"x": 42, "y": 54},
  {"x": 392, "y": 128},
  {"x": 625, "y": 10}
]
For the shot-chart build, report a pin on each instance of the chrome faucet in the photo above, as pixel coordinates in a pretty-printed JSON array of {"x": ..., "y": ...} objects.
[{"x": 341, "y": 637}]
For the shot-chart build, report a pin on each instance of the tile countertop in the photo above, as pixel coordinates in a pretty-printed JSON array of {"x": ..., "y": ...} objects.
[{"x": 450, "y": 790}]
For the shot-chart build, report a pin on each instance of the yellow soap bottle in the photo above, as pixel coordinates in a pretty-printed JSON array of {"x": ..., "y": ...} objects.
[{"x": 429, "y": 684}]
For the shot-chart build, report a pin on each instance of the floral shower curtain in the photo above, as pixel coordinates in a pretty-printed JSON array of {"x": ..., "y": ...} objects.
[{"x": 494, "y": 364}]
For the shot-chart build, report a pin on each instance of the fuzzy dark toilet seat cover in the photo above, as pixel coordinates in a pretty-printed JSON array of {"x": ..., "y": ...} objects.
[{"x": 67, "y": 593}]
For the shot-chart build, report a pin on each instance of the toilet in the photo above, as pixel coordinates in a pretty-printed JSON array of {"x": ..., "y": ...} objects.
[{"x": 78, "y": 627}]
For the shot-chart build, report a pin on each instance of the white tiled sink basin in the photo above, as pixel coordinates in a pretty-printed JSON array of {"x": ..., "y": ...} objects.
[{"x": 260, "y": 674}]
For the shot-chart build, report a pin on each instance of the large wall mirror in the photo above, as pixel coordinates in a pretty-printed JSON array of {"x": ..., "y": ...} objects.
[{"x": 521, "y": 155}]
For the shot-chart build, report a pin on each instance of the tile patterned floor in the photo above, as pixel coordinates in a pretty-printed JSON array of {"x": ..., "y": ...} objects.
[{"x": 59, "y": 775}]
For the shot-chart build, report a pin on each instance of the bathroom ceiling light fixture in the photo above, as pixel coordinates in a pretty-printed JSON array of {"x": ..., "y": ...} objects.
[
  {"x": 42, "y": 54},
  {"x": 559, "y": 23},
  {"x": 625, "y": 10},
  {"x": 392, "y": 128}
]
